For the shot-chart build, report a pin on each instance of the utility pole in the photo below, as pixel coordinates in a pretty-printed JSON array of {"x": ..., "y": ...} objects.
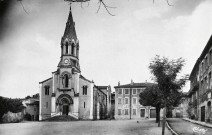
[{"x": 130, "y": 101}]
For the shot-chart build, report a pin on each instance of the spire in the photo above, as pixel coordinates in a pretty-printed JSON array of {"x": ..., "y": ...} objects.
[{"x": 70, "y": 31}]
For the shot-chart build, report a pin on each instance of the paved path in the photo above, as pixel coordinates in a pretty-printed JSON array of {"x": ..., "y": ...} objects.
[
  {"x": 183, "y": 127},
  {"x": 114, "y": 127}
]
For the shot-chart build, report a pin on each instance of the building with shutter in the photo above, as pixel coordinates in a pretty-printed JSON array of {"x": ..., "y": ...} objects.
[{"x": 127, "y": 104}]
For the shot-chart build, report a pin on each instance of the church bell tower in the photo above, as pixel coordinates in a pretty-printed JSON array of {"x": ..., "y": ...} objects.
[{"x": 70, "y": 47}]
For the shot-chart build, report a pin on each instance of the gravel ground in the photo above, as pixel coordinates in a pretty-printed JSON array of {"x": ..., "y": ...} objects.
[
  {"x": 183, "y": 127},
  {"x": 114, "y": 127}
]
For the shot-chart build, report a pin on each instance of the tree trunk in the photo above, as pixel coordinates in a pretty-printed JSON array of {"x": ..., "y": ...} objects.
[
  {"x": 164, "y": 119},
  {"x": 158, "y": 115}
]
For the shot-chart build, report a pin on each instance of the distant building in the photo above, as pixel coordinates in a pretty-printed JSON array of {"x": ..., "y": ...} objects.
[
  {"x": 100, "y": 104},
  {"x": 31, "y": 107},
  {"x": 181, "y": 110},
  {"x": 200, "y": 92},
  {"x": 107, "y": 91},
  {"x": 113, "y": 105},
  {"x": 127, "y": 104},
  {"x": 67, "y": 92}
]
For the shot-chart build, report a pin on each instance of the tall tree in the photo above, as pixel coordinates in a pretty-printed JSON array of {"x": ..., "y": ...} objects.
[
  {"x": 165, "y": 73},
  {"x": 152, "y": 96}
]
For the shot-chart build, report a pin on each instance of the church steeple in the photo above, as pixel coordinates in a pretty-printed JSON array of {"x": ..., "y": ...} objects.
[
  {"x": 70, "y": 31},
  {"x": 70, "y": 46}
]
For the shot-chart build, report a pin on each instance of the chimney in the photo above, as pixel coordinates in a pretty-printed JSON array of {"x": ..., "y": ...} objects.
[
  {"x": 119, "y": 83},
  {"x": 131, "y": 82},
  {"x": 146, "y": 81}
]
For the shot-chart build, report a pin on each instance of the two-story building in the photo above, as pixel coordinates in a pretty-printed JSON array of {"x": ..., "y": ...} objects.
[
  {"x": 127, "y": 104},
  {"x": 32, "y": 108}
]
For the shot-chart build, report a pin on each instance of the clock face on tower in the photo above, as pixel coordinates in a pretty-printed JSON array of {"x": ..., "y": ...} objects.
[{"x": 66, "y": 61}]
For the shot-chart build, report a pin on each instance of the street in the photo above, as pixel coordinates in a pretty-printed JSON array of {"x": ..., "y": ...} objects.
[
  {"x": 113, "y": 127},
  {"x": 183, "y": 127}
]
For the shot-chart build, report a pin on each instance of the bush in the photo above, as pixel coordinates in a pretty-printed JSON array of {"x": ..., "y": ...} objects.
[{"x": 12, "y": 117}]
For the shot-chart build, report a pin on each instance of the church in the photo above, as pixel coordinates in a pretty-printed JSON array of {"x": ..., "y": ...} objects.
[{"x": 67, "y": 92}]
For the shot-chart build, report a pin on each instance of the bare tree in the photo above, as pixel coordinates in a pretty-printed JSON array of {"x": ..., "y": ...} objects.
[{"x": 100, "y": 2}]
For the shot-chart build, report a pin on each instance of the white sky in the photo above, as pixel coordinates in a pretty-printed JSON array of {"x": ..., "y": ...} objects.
[{"x": 112, "y": 49}]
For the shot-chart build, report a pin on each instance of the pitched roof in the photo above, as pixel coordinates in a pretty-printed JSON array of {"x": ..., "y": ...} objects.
[
  {"x": 82, "y": 77},
  {"x": 206, "y": 49},
  {"x": 45, "y": 80},
  {"x": 135, "y": 85},
  {"x": 102, "y": 87},
  {"x": 202, "y": 56}
]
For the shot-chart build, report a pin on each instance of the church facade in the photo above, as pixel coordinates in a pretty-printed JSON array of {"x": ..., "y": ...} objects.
[{"x": 67, "y": 92}]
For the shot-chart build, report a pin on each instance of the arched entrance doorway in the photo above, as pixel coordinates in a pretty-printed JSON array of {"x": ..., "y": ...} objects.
[{"x": 64, "y": 102}]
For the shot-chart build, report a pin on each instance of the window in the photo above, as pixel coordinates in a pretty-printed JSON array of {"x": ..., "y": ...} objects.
[
  {"x": 66, "y": 48},
  {"x": 46, "y": 104},
  {"x": 46, "y": 90},
  {"x": 119, "y": 101},
  {"x": 206, "y": 83},
  {"x": 126, "y": 111},
  {"x": 202, "y": 67},
  {"x": 134, "y": 111},
  {"x": 209, "y": 80},
  {"x": 120, "y": 91},
  {"x": 126, "y": 101},
  {"x": 66, "y": 80},
  {"x": 74, "y": 63},
  {"x": 77, "y": 51},
  {"x": 84, "y": 104},
  {"x": 72, "y": 49},
  {"x": 35, "y": 109},
  {"x": 126, "y": 91},
  {"x": 202, "y": 86},
  {"x": 134, "y": 92},
  {"x": 134, "y": 100},
  {"x": 119, "y": 111},
  {"x": 84, "y": 90}
]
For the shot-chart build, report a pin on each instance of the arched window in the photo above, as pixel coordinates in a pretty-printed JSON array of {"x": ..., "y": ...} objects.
[
  {"x": 77, "y": 52},
  {"x": 66, "y": 48},
  {"x": 72, "y": 49},
  {"x": 66, "y": 80}
]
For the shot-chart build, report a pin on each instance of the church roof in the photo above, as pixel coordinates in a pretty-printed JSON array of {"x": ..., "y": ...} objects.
[
  {"x": 70, "y": 31},
  {"x": 82, "y": 77},
  {"x": 45, "y": 80},
  {"x": 135, "y": 85}
]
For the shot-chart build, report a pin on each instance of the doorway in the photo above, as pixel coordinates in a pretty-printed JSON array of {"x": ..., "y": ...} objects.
[
  {"x": 142, "y": 113},
  {"x": 203, "y": 113},
  {"x": 65, "y": 109},
  {"x": 152, "y": 113}
]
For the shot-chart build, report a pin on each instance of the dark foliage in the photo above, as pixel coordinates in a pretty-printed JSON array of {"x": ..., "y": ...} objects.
[{"x": 8, "y": 104}]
